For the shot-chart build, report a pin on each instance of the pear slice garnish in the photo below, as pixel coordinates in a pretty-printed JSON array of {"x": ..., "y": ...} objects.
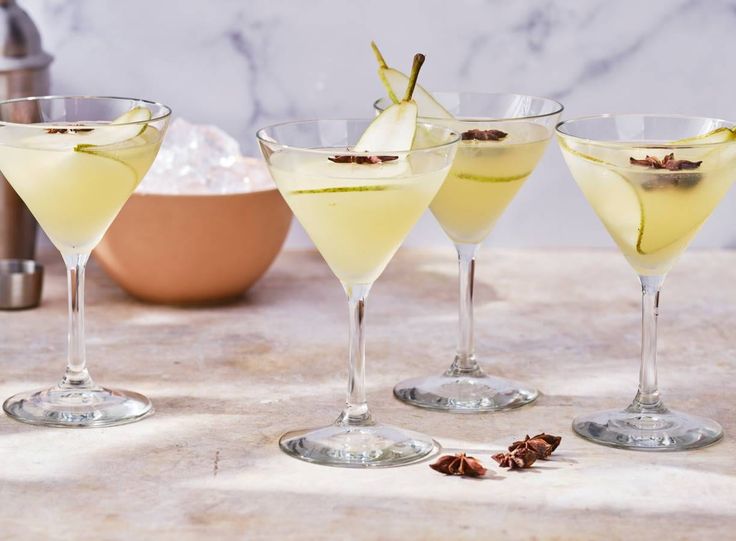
[
  {"x": 483, "y": 178},
  {"x": 719, "y": 135},
  {"x": 394, "y": 129},
  {"x": 136, "y": 114},
  {"x": 343, "y": 189},
  {"x": 127, "y": 126},
  {"x": 394, "y": 80}
]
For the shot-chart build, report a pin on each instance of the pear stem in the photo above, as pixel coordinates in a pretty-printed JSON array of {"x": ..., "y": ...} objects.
[
  {"x": 416, "y": 66},
  {"x": 379, "y": 56}
]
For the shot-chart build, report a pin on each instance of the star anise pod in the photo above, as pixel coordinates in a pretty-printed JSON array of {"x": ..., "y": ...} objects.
[
  {"x": 540, "y": 447},
  {"x": 459, "y": 464},
  {"x": 65, "y": 130},
  {"x": 350, "y": 158},
  {"x": 554, "y": 441},
  {"x": 483, "y": 135},
  {"x": 668, "y": 162},
  {"x": 542, "y": 444},
  {"x": 519, "y": 458}
]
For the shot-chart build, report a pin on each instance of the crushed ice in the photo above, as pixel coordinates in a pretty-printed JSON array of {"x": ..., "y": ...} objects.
[{"x": 200, "y": 159}]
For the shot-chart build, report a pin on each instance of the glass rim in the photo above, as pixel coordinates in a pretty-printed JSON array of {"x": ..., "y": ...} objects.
[
  {"x": 39, "y": 125},
  {"x": 640, "y": 144},
  {"x": 558, "y": 107},
  {"x": 260, "y": 135}
]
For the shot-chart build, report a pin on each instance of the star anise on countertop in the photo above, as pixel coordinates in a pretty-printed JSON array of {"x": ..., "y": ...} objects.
[
  {"x": 542, "y": 444},
  {"x": 522, "y": 457},
  {"x": 668, "y": 162},
  {"x": 459, "y": 464},
  {"x": 350, "y": 158},
  {"x": 524, "y": 453},
  {"x": 483, "y": 135}
]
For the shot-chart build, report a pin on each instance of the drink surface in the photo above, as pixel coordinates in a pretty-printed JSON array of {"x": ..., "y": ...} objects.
[
  {"x": 357, "y": 215},
  {"x": 651, "y": 214},
  {"x": 75, "y": 181},
  {"x": 485, "y": 177}
]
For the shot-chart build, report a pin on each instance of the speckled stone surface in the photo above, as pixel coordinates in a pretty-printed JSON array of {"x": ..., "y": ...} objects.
[{"x": 227, "y": 381}]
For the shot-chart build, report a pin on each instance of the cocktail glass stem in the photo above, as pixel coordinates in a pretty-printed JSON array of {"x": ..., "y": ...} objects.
[
  {"x": 76, "y": 376},
  {"x": 76, "y": 401},
  {"x": 646, "y": 424},
  {"x": 356, "y": 411},
  {"x": 647, "y": 399},
  {"x": 355, "y": 439},
  {"x": 465, "y": 363},
  {"x": 464, "y": 387}
]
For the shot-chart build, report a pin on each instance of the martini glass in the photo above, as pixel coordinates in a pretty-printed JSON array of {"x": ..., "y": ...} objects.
[
  {"x": 652, "y": 180},
  {"x": 75, "y": 161},
  {"x": 504, "y": 136},
  {"x": 357, "y": 215}
]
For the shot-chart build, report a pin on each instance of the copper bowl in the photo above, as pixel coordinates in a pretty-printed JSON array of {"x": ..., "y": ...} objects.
[{"x": 184, "y": 249}]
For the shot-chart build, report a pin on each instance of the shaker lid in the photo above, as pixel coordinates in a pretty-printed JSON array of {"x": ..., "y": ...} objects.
[{"x": 20, "y": 42}]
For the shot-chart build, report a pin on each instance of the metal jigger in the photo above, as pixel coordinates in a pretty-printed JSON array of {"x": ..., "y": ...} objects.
[{"x": 24, "y": 71}]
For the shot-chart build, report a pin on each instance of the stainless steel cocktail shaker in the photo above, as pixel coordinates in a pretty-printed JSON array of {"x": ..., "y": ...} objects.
[{"x": 24, "y": 71}]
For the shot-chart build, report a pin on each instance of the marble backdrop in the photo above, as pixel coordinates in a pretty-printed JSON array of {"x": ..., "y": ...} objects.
[{"x": 243, "y": 64}]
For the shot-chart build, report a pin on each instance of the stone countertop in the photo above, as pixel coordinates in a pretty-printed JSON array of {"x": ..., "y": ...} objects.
[{"x": 227, "y": 381}]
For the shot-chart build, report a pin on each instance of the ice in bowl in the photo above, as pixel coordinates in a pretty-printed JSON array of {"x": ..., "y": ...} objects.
[{"x": 200, "y": 159}]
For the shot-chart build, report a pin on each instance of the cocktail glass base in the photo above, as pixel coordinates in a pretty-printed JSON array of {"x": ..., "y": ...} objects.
[
  {"x": 465, "y": 393},
  {"x": 374, "y": 446},
  {"x": 648, "y": 431},
  {"x": 78, "y": 408}
]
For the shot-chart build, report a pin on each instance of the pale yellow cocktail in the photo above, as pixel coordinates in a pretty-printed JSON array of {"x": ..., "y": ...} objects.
[
  {"x": 357, "y": 215},
  {"x": 652, "y": 214},
  {"x": 485, "y": 177},
  {"x": 73, "y": 186}
]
